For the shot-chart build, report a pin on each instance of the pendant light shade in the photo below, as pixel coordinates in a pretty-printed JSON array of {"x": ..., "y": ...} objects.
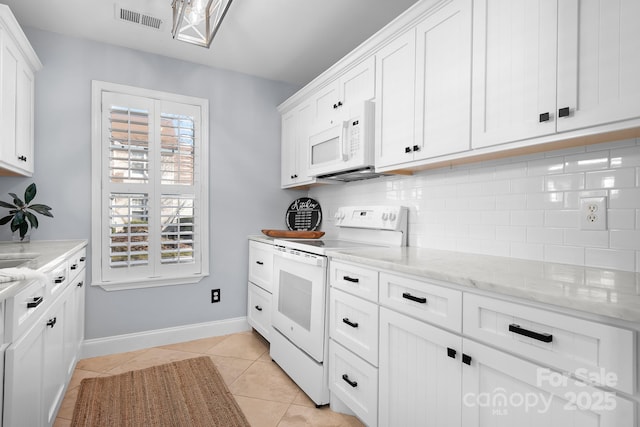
[{"x": 197, "y": 21}]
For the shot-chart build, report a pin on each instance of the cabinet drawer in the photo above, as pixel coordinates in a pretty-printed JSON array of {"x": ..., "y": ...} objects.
[
  {"x": 24, "y": 308},
  {"x": 59, "y": 278},
  {"x": 586, "y": 349},
  {"x": 353, "y": 322},
  {"x": 433, "y": 303},
  {"x": 259, "y": 310},
  {"x": 355, "y": 382},
  {"x": 359, "y": 281},
  {"x": 77, "y": 263},
  {"x": 261, "y": 264}
]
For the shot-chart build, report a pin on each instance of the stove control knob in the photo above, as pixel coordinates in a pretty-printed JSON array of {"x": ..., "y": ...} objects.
[
  {"x": 392, "y": 216},
  {"x": 385, "y": 216}
]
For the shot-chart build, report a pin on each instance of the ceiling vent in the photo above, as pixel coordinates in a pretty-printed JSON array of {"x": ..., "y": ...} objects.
[{"x": 138, "y": 18}]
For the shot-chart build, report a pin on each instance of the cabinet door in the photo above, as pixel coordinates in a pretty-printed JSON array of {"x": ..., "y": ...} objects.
[
  {"x": 16, "y": 109},
  {"x": 514, "y": 70},
  {"x": 395, "y": 101},
  {"x": 295, "y": 147},
  {"x": 443, "y": 81},
  {"x": 55, "y": 371},
  {"x": 598, "y": 62},
  {"x": 500, "y": 390},
  {"x": 420, "y": 384},
  {"x": 261, "y": 264},
  {"x": 259, "y": 310},
  {"x": 23, "y": 381},
  {"x": 324, "y": 104},
  {"x": 358, "y": 84}
]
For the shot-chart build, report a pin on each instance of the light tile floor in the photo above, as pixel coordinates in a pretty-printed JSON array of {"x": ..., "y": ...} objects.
[{"x": 267, "y": 396}]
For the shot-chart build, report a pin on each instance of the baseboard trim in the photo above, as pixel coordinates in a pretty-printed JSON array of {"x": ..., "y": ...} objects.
[{"x": 157, "y": 337}]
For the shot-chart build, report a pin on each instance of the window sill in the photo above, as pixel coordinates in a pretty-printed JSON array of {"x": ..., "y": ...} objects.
[{"x": 148, "y": 283}]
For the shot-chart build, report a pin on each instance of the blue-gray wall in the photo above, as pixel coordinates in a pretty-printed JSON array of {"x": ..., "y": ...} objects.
[{"x": 244, "y": 172}]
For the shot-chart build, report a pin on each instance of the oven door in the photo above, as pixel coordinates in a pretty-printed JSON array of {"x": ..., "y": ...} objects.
[{"x": 298, "y": 308}]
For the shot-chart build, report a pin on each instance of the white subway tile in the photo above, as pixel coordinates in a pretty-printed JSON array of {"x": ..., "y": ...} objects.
[
  {"x": 586, "y": 238},
  {"x": 565, "y": 151},
  {"x": 564, "y": 182},
  {"x": 511, "y": 170},
  {"x": 482, "y": 203},
  {"x": 469, "y": 245},
  {"x": 511, "y": 233},
  {"x": 534, "y": 251},
  {"x": 626, "y": 198},
  {"x": 611, "y": 178},
  {"x": 547, "y": 166},
  {"x": 496, "y": 187},
  {"x": 562, "y": 218},
  {"x": 527, "y": 217},
  {"x": 527, "y": 185},
  {"x": 482, "y": 231},
  {"x": 621, "y": 219},
  {"x": 564, "y": 254},
  {"x": 456, "y": 203},
  {"x": 586, "y": 161},
  {"x": 548, "y": 200},
  {"x": 495, "y": 217},
  {"x": 554, "y": 236},
  {"x": 496, "y": 248},
  {"x": 625, "y": 157},
  {"x": 625, "y": 239},
  {"x": 511, "y": 201},
  {"x": 468, "y": 217},
  {"x": 610, "y": 258}
]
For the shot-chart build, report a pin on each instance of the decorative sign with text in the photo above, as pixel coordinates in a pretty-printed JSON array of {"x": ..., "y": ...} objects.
[{"x": 304, "y": 214}]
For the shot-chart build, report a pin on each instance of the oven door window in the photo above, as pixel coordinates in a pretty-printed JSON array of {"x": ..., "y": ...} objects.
[{"x": 294, "y": 298}]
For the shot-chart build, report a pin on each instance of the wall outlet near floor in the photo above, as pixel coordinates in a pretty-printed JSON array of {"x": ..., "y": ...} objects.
[
  {"x": 593, "y": 213},
  {"x": 215, "y": 295}
]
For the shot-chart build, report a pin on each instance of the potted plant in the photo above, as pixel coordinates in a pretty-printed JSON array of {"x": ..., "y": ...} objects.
[{"x": 20, "y": 213}]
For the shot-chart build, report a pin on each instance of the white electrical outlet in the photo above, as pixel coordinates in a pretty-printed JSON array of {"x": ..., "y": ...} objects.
[{"x": 593, "y": 213}]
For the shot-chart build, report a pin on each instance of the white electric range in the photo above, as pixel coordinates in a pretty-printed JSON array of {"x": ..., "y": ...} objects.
[{"x": 299, "y": 310}]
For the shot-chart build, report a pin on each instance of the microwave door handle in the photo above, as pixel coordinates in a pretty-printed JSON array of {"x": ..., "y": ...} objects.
[{"x": 344, "y": 139}]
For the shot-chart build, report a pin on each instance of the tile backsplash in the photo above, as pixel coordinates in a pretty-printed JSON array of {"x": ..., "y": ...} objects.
[{"x": 522, "y": 207}]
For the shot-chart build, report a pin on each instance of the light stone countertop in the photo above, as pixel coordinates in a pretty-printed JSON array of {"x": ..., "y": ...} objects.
[
  {"x": 262, "y": 239},
  {"x": 611, "y": 293},
  {"x": 44, "y": 255}
]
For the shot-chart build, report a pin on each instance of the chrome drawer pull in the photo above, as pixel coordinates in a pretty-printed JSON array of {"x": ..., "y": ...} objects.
[
  {"x": 348, "y": 322},
  {"x": 353, "y": 384},
  {"x": 407, "y": 295},
  {"x": 516, "y": 329}
]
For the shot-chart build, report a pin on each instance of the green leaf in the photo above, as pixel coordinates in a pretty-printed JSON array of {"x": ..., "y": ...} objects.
[
  {"x": 14, "y": 227},
  {"x": 32, "y": 219},
  {"x": 16, "y": 200},
  {"x": 7, "y": 205},
  {"x": 6, "y": 219},
  {"x": 42, "y": 210},
  {"x": 30, "y": 193}
]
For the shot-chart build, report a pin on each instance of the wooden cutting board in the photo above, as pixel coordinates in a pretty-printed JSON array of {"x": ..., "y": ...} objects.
[{"x": 291, "y": 234}]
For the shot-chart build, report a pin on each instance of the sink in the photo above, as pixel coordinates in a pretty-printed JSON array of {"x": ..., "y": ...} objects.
[
  {"x": 15, "y": 262},
  {"x": 8, "y": 260}
]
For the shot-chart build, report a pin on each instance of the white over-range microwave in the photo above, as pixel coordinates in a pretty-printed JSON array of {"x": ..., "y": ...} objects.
[{"x": 343, "y": 149}]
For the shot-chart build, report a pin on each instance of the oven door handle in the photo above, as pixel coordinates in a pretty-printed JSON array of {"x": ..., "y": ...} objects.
[{"x": 305, "y": 259}]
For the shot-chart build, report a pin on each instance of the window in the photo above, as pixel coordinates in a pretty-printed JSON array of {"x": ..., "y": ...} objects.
[{"x": 150, "y": 207}]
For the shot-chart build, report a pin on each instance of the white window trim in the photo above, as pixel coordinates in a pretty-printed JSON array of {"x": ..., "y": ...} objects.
[{"x": 97, "y": 87}]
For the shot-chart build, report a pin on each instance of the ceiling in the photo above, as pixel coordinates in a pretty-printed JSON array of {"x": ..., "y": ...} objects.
[{"x": 285, "y": 40}]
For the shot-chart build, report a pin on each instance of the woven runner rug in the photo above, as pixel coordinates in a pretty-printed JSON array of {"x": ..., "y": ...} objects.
[{"x": 185, "y": 393}]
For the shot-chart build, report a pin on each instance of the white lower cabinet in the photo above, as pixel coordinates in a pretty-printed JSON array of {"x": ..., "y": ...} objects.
[
  {"x": 494, "y": 364},
  {"x": 354, "y": 382},
  {"x": 46, "y": 328},
  {"x": 259, "y": 310},
  {"x": 503, "y": 390},
  {"x": 420, "y": 378}
]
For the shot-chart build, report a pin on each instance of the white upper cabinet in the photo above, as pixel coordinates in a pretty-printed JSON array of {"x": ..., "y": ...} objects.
[
  {"x": 423, "y": 84},
  {"x": 295, "y": 147},
  {"x": 18, "y": 62},
  {"x": 548, "y": 66},
  {"x": 443, "y": 81},
  {"x": 395, "y": 101},
  {"x": 598, "y": 62},
  {"x": 514, "y": 70},
  {"x": 357, "y": 84}
]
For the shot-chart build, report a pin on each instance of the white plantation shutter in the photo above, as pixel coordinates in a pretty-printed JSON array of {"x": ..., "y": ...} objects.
[{"x": 152, "y": 205}]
